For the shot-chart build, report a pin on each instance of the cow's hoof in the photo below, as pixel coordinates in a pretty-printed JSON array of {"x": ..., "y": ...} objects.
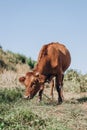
[{"x": 60, "y": 101}]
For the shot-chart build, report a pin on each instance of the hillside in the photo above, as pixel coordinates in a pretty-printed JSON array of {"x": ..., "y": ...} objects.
[
  {"x": 19, "y": 114},
  {"x": 20, "y": 64},
  {"x": 10, "y": 61}
]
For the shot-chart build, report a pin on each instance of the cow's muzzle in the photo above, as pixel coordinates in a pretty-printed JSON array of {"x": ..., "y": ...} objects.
[{"x": 27, "y": 97}]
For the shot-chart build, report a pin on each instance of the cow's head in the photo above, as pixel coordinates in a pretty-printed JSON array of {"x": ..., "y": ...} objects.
[{"x": 32, "y": 82}]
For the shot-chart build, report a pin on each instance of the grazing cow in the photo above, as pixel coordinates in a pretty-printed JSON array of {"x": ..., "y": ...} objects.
[{"x": 53, "y": 60}]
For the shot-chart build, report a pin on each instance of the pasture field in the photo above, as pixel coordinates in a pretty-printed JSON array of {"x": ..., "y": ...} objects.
[{"x": 17, "y": 113}]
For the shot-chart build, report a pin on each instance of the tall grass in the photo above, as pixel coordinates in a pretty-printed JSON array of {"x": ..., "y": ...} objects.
[
  {"x": 75, "y": 81},
  {"x": 18, "y": 114},
  {"x": 10, "y": 95},
  {"x": 9, "y": 60}
]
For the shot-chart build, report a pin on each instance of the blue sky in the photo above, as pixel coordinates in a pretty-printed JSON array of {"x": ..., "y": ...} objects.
[{"x": 26, "y": 25}]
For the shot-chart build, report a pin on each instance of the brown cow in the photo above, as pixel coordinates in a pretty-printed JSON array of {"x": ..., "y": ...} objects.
[{"x": 53, "y": 60}]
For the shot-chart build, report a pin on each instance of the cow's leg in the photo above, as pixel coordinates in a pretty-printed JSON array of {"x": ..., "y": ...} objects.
[
  {"x": 52, "y": 86},
  {"x": 62, "y": 87},
  {"x": 40, "y": 93},
  {"x": 59, "y": 87}
]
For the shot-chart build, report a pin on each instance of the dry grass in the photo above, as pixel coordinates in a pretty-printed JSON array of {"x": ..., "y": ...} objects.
[
  {"x": 19, "y": 114},
  {"x": 71, "y": 115},
  {"x": 9, "y": 79}
]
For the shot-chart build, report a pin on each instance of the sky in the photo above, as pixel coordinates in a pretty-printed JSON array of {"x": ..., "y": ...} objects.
[{"x": 26, "y": 25}]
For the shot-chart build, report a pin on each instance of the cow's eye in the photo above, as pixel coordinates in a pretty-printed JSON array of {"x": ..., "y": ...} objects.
[
  {"x": 35, "y": 81},
  {"x": 33, "y": 84}
]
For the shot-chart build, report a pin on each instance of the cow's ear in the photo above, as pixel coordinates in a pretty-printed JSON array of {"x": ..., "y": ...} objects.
[{"x": 21, "y": 79}]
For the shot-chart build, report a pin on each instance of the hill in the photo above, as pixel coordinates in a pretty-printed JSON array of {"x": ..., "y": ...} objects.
[
  {"x": 20, "y": 64},
  {"x": 10, "y": 60},
  {"x": 19, "y": 114}
]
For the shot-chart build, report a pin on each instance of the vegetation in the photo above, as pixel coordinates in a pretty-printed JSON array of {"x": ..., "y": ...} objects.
[
  {"x": 31, "y": 63},
  {"x": 17, "y": 113},
  {"x": 75, "y": 81},
  {"x": 9, "y": 60}
]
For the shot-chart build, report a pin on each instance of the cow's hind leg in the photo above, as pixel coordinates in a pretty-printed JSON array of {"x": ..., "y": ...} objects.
[
  {"x": 52, "y": 86},
  {"x": 40, "y": 93},
  {"x": 59, "y": 87}
]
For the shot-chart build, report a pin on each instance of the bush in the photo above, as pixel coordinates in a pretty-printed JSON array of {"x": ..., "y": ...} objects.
[
  {"x": 31, "y": 63},
  {"x": 20, "y": 57},
  {"x": 2, "y": 64},
  {"x": 8, "y": 95},
  {"x": 71, "y": 75},
  {"x": 76, "y": 81}
]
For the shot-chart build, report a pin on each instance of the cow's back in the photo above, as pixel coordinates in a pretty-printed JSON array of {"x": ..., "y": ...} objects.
[
  {"x": 52, "y": 57},
  {"x": 60, "y": 55}
]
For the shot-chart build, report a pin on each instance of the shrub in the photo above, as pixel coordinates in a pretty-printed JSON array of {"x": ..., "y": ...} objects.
[
  {"x": 2, "y": 64},
  {"x": 72, "y": 75},
  {"x": 76, "y": 81},
  {"x": 20, "y": 57},
  {"x": 31, "y": 63},
  {"x": 8, "y": 95}
]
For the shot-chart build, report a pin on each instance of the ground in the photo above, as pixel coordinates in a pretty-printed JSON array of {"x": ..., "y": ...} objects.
[{"x": 70, "y": 115}]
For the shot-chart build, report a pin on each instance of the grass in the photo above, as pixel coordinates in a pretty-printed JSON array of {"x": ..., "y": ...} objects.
[
  {"x": 9, "y": 60},
  {"x": 17, "y": 113}
]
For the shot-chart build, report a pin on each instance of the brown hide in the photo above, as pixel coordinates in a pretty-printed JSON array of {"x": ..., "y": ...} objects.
[{"x": 53, "y": 60}]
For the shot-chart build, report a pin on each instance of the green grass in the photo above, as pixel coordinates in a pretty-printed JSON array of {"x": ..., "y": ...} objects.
[
  {"x": 10, "y": 95},
  {"x": 17, "y": 113}
]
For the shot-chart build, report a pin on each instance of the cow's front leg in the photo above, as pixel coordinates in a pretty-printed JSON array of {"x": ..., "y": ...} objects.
[
  {"x": 60, "y": 94},
  {"x": 59, "y": 87},
  {"x": 40, "y": 93}
]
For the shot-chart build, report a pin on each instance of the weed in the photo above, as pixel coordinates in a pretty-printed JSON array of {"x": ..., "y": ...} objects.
[
  {"x": 19, "y": 114},
  {"x": 8, "y": 95}
]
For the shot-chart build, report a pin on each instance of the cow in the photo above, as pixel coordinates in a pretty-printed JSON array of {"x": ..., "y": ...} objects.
[{"x": 53, "y": 60}]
